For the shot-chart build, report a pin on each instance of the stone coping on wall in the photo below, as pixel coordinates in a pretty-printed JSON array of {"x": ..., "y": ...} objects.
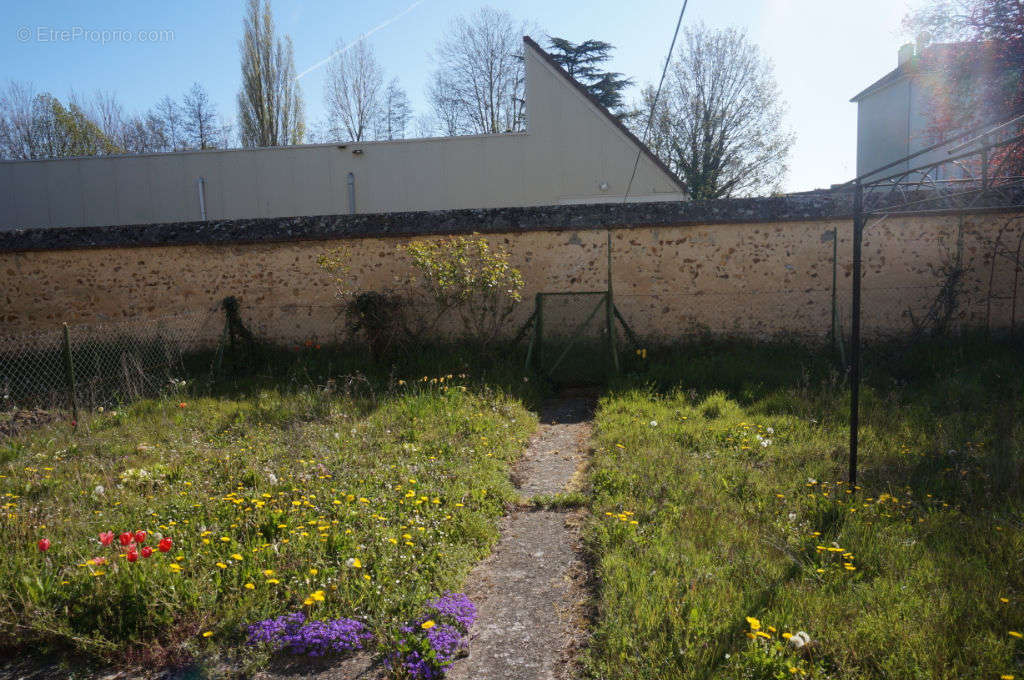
[
  {"x": 793, "y": 207},
  {"x": 424, "y": 223}
]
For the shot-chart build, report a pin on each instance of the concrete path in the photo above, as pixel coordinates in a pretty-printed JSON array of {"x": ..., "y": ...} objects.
[{"x": 529, "y": 592}]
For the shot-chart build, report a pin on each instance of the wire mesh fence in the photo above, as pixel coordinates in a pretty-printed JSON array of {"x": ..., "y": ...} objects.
[
  {"x": 575, "y": 336},
  {"x": 103, "y": 363}
]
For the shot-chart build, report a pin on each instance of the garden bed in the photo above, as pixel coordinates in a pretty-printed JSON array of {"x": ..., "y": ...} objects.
[{"x": 255, "y": 504}]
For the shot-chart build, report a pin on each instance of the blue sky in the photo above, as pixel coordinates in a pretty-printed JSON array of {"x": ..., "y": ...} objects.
[{"x": 824, "y": 51}]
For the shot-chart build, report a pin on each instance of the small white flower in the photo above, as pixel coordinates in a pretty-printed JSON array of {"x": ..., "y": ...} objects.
[
  {"x": 770, "y": 429},
  {"x": 654, "y": 423},
  {"x": 99, "y": 490},
  {"x": 792, "y": 517},
  {"x": 272, "y": 478},
  {"x": 800, "y": 640}
]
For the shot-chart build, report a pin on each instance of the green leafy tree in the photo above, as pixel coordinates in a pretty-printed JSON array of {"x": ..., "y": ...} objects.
[
  {"x": 465, "y": 275},
  {"x": 41, "y": 126},
  {"x": 66, "y": 131},
  {"x": 582, "y": 61}
]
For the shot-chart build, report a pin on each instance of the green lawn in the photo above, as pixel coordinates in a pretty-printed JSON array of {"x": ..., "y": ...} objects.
[
  {"x": 718, "y": 495},
  {"x": 347, "y": 497}
]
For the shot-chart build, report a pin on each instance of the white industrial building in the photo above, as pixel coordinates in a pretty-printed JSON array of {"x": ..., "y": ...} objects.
[{"x": 573, "y": 151}]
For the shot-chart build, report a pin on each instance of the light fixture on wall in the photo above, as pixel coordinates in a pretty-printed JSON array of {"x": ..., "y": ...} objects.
[{"x": 603, "y": 186}]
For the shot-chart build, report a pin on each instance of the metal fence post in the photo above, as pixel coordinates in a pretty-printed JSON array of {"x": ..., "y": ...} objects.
[
  {"x": 858, "y": 240},
  {"x": 539, "y": 330},
  {"x": 609, "y": 313},
  {"x": 69, "y": 369}
]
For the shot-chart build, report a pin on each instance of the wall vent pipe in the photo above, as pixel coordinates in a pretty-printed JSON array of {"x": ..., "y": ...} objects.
[
  {"x": 201, "y": 188},
  {"x": 351, "y": 193}
]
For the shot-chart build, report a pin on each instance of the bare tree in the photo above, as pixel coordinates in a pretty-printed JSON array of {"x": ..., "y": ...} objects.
[
  {"x": 17, "y": 117},
  {"x": 424, "y": 125},
  {"x": 721, "y": 124},
  {"x": 199, "y": 122},
  {"x": 139, "y": 136},
  {"x": 445, "y": 104},
  {"x": 395, "y": 112},
  {"x": 107, "y": 112},
  {"x": 166, "y": 122},
  {"x": 478, "y": 86},
  {"x": 352, "y": 92},
  {"x": 270, "y": 110}
]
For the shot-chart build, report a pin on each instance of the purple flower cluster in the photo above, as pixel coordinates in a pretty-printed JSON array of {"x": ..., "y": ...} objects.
[
  {"x": 425, "y": 653},
  {"x": 294, "y": 634},
  {"x": 457, "y": 606},
  {"x": 415, "y": 665}
]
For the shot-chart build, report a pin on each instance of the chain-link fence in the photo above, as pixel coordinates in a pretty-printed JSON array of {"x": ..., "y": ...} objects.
[{"x": 101, "y": 363}]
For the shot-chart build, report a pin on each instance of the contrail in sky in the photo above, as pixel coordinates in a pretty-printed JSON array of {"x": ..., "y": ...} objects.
[{"x": 364, "y": 36}]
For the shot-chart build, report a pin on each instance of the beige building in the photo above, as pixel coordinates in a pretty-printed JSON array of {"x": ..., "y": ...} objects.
[
  {"x": 574, "y": 151},
  {"x": 895, "y": 114}
]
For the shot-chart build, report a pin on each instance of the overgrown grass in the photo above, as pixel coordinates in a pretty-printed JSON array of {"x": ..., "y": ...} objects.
[
  {"x": 718, "y": 495},
  {"x": 304, "y": 487}
]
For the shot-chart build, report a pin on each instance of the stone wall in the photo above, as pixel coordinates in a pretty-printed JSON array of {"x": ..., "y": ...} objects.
[{"x": 758, "y": 267}]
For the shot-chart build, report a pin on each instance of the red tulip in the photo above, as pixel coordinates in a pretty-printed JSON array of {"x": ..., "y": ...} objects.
[
  {"x": 165, "y": 544},
  {"x": 147, "y": 551},
  {"x": 44, "y": 544},
  {"x": 106, "y": 537},
  {"x": 125, "y": 538},
  {"x": 140, "y": 536},
  {"x": 132, "y": 555}
]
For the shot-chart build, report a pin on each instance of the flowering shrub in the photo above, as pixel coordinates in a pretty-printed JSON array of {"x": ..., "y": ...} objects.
[
  {"x": 431, "y": 643},
  {"x": 294, "y": 634},
  {"x": 466, "y": 275}
]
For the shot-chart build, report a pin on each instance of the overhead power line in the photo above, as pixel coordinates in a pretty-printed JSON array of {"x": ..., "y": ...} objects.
[{"x": 654, "y": 105}]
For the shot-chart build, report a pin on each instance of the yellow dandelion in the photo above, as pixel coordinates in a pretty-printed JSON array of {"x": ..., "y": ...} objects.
[
  {"x": 428, "y": 624},
  {"x": 208, "y": 633},
  {"x": 754, "y": 623},
  {"x": 222, "y": 565}
]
